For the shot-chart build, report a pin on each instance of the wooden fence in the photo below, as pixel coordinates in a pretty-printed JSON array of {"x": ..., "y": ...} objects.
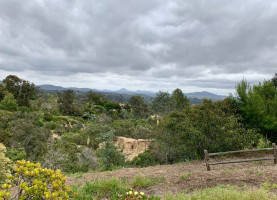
[{"x": 208, "y": 155}]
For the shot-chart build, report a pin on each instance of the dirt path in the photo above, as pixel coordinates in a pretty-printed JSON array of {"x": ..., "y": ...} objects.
[{"x": 192, "y": 175}]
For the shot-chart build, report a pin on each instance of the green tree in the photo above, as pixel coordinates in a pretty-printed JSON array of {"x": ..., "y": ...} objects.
[
  {"x": 67, "y": 105},
  {"x": 274, "y": 80},
  {"x": 185, "y": 135},
  {"x": 9, "y": 103},
  {"x": 5, "y": 119},
  {"x": 94, "y": 98},
  {"x": 13, "y": 84},
  {"x": 257, "y": 106},
  {"x": 22, "y": 90},
  {"x": 139, "y": 108},
  {"x": 162, "y": 103},
  {"x": 179, "y": 100},
  {"x": 3, "y": 91},
  {"x": 112, "y": 106}
]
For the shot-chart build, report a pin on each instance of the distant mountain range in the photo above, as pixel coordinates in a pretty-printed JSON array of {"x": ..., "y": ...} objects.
[
  {"x": 123, "y": 91},
  {"x": 205, "y": 95}
]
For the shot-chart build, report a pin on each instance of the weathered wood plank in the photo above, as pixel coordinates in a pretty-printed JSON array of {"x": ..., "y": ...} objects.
[
  {"x": 240, "y": 151},
  {"x": 240, "y": 161}
]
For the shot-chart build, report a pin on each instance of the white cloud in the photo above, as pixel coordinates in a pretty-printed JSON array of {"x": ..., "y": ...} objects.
[{"x": 150, "y": 45}]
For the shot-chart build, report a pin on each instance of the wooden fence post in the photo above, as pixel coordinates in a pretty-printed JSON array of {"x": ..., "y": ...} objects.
[
  {"x": 207, "y": 160},
  {"x": 274, "y": 153}
]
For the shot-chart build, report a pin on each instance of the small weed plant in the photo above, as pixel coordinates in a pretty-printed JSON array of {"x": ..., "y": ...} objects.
[{"x": 140, "y": 181}]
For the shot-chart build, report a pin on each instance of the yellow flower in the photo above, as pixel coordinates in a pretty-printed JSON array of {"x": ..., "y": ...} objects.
[
  {"x": 141, "y": 193},
  {"x": 135, "y": 193},
  {"x": 130, "y": 192}
]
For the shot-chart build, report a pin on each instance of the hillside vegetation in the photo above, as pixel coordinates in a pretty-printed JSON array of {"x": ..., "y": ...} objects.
[{"x": 63, "y": 131}]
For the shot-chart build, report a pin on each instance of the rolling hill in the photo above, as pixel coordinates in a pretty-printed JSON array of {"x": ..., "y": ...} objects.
[{"x": 123, "y": 95}]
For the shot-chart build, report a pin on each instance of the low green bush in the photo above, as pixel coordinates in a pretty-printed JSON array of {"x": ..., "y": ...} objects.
[
  {"x": 30, "y": 181},
  {"x": 98, "y": 109},
  {"x": 9, "y": 103},
  {"x": 79, "y": 139},
  {"x": 68, "y": 157},
  {"x": 144, "y": 159},
  {"x": 51, "y": 125},
  {"x": 110, "y": 157},
  {"x": 16, "y": 154},
  {"x": 4, "y": 164},
  {"x": 48, "y": 116}
]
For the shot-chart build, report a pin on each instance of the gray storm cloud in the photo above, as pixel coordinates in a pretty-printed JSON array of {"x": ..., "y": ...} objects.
[{"x": 201, "y": 44}]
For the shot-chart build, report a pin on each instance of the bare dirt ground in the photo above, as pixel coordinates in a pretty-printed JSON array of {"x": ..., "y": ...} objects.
[{"x": 189, "y": 176}]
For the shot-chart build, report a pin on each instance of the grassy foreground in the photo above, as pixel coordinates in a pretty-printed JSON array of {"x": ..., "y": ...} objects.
[
  {"x": 110, "y": 189},
  {"x": 223, "y": 192}
]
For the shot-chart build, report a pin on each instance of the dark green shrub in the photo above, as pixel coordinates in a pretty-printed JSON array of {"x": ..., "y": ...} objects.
[
  {"x": 184, "y": 135},
  {"x": 68, "y": 157},
  {"x": 144, "y": 159},
  {"x": 51, "y": 125},
  {"x": 16, "y": 154},
  {"x": 79, "y": 139},
  {"x": 25, "y": 109},
  {"x": 98, "y": 109},
  {"x": 110, "y": 157},
  {"x": 48, "y": 117},
  {"x": 96, "y": 134},
  {"x": 5, "y": 135},
  {"x": 9, "y": 103},
  {"x": 26, "y": 132},
  {"x": 113, "y": 114},
  {"x": 133, "y": 128},
  {"x": 112, "y": 106}
]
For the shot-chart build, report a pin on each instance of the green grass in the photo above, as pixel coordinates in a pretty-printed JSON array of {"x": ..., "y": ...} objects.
[
  {"x": 140, "y": 181},
  {"x": 186, "y": 176},
  {"x": 78, "y": 175},
  {"x": 223, "y": 192},
  {"x": 161, "y": 178},
  {"x": 269, "y": 186},
  {"x": 110, "y": 189},
  {"x": 228, "y": 171},
  {"x": 260, "y": 174},
  {"x": 101, "y": 189}
]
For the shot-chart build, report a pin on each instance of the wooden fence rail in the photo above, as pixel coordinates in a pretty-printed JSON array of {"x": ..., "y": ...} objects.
[{"x": 208, "y": 155}]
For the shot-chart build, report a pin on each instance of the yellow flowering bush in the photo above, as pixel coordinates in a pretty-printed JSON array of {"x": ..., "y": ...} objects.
[
  {"x": 4, "y": 163},
  {"x": 33, "y": 182},
  {"x": 135, "y": 195}
]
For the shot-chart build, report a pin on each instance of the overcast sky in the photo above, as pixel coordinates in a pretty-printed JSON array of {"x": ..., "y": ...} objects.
[{"x": 151, "y": 45}]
